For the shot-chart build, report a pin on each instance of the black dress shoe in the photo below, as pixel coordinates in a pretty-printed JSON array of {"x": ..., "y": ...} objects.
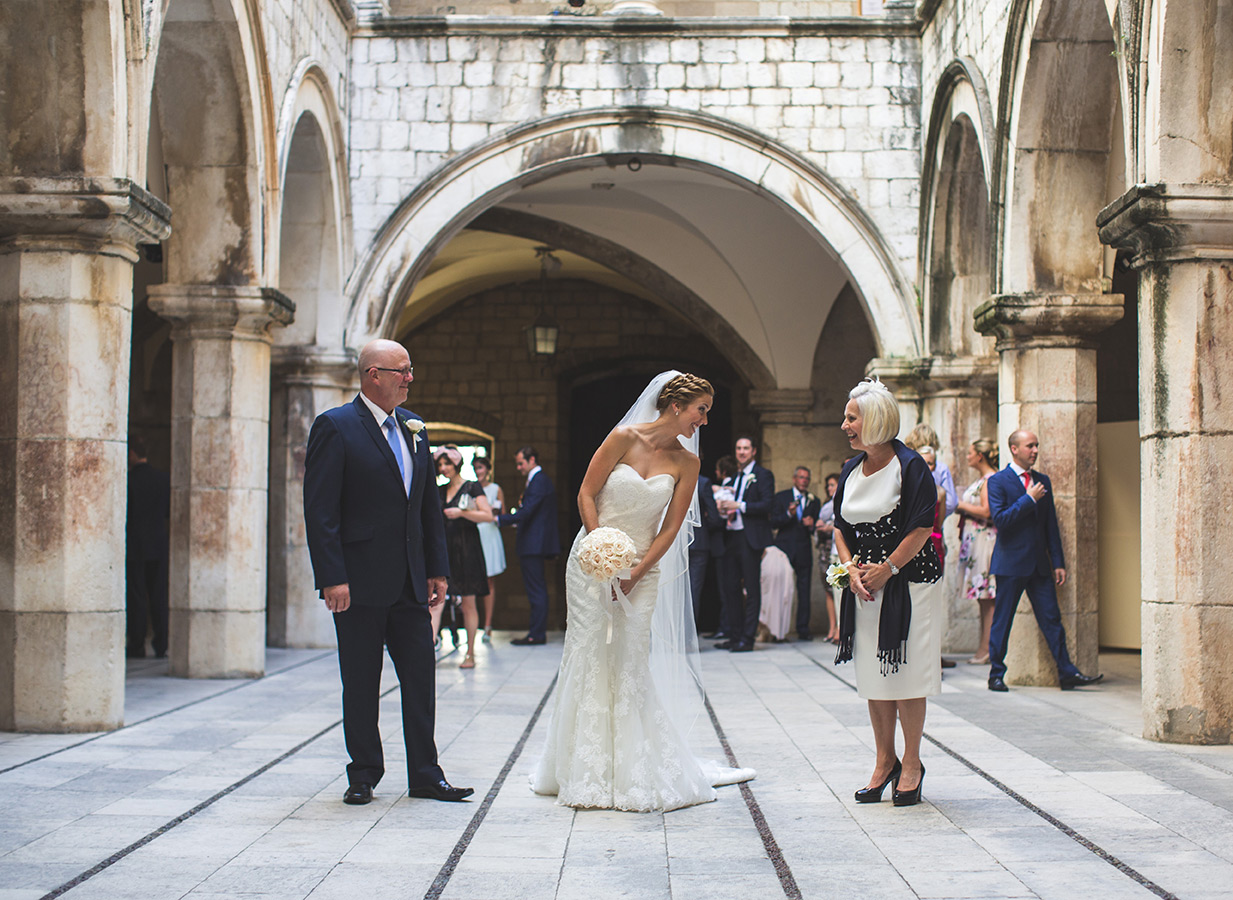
[
  {"x": 742, "y": 647},
  {"x": 947, "y": 663},
  {"x": 528, "y": 641},
  {"x": 874, "y": 794},
  {"x": 997, "y": 684},
  {"x": 806, "y": 636},
  {"x": 716, "y": 636},
  {"x": 909, "y": 798},
  {"x": 443, "y": 790},
  {"x": 1070, "y": 682},
  {"x": 358, "y": 794},
  {"x": 724, "y": 645}
]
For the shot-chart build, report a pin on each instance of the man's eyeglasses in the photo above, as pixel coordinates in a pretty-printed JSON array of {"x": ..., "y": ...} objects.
[{"x": 408, "y": 372}]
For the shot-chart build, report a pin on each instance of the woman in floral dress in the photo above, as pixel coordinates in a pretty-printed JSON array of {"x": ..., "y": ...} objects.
[{"x": 977, "y": 536}]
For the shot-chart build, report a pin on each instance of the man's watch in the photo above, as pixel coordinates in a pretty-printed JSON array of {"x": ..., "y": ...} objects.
[{"x": 894, "y": 568}]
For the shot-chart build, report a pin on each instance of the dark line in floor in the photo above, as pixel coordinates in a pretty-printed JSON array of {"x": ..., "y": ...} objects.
[
  {"x": 1061, "y": 826},
  {"x": 168, "y": 712},
  {"x": 159, "y": 832},
  {"x": 786, "y": 880},
  {"x": 447, "y": 870}
]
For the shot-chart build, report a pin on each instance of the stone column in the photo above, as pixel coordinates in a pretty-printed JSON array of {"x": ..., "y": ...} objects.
[
  {"x": 788, "y": 440},
  {"x": 1047, "y": 384},
  {"x": 67, "y": 248},
  {"x": 1182, "y": 239},
  {"x": 307, "y": 382},
  {"x": 220, "y": 432}
]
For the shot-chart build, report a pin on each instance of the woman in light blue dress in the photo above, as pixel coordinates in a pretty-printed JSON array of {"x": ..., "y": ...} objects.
[{"x": 490, "y": 538}]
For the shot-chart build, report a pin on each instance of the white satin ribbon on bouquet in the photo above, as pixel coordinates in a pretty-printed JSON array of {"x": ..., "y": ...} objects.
[{"x": 614, "y": 585}]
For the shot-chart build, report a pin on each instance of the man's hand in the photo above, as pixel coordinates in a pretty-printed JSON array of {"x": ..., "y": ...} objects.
[
  {"x": 1036, "y": 490},
  {"x": 337, "y": 598},
  {"x": 1059, "y": 575},
  {"x": 437, "y": 589},
  {"x": 807, "y": 521}
]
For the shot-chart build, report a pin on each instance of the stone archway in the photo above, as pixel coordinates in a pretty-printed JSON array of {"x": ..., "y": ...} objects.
[
  {"x": 524, "y": 156},
  {"x": 311, "y": 371},
  {"x": 210, "y": 95}
]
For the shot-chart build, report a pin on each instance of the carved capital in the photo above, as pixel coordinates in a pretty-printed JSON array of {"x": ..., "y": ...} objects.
[
  {"x": 200, "y": 311},
  {"x": 99, "y": 215},
  {"x": 955, "y": 376},
  {"x": 782, "y": 407},
  {"x": 1054, "y": 320},
  {"x": 1170, "y": 222},
  {"x": 313, "y": 366}
]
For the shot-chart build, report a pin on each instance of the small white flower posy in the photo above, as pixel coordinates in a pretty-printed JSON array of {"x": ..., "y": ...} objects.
[{"x": 415, "y": 426}]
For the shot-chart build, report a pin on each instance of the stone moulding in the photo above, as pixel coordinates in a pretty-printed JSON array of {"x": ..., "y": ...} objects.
[
  {"x": 113, "y": 215},
  {"x": 1016, "y": 319},
  {"x": 640, "y": 26},
  {"x": 934, "y": 376},
  {"x": 1170, "y": 222},
  {"x": 203, "y": 309}
]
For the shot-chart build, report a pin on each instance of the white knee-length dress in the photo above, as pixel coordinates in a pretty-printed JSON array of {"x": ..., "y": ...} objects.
[{"x": 869, "y": 498}]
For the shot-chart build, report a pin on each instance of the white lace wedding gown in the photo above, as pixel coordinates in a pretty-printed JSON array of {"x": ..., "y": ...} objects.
[{"x": 611, "y": 745}]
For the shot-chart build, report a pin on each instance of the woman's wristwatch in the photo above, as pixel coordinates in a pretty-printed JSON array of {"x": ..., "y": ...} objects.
[{"x": 894, "y": 568}]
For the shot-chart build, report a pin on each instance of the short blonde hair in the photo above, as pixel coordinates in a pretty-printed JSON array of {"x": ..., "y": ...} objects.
[
  {"x": 921, "y": 435},
  {"x": 879, "y": 409}
]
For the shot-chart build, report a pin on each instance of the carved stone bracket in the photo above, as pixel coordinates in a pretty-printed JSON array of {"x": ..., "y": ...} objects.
[
  {"x": 313, "y": 366},
  {"x": 914, "y": 379},
  {"x": 105, "y": 215},
  {"x": 782, "y": 407},
  {"x": 1047, "y": 320},
  {"x": 1170, "y": 222},
  {"x": 215, "y": 310}
]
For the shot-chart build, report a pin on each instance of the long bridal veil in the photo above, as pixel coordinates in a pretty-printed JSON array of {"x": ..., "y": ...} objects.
[{"x": 676, "y": 672}]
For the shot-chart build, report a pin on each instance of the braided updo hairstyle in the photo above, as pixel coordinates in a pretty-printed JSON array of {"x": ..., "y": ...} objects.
[{"x": 683, "y": 389}]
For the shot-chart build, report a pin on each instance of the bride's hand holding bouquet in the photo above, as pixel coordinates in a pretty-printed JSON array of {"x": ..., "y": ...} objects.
[{"x": 608, "y": 554}]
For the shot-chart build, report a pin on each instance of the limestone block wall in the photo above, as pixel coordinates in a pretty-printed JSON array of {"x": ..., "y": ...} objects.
[
  {"x": 975, "y": 29},
  {"x": 847, "y": 99},
  {"x": 299, "y": 31}
]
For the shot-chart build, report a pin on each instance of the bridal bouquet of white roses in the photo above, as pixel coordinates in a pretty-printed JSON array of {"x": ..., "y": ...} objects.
[{"x": 605, "y": 553}]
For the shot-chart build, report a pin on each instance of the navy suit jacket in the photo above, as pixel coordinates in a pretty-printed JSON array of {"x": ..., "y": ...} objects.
[
  {"x": 1029, "y": 541},
  {"x": 708, "y": 537},
  {"x": 536, "y": 519},
  {"x": 792, "y": 535},
  {"x": 362, "y": 530},
  {"x": 758, "y": 498}
]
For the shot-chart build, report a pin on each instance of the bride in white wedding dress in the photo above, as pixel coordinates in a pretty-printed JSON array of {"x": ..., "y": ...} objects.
[{"x": 629, "y": 687}]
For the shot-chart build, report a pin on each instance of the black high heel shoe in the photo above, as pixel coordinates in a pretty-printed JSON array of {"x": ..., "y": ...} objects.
[
  {"x": 912, "y": 797},
  {"x": 874, "y": 794}
]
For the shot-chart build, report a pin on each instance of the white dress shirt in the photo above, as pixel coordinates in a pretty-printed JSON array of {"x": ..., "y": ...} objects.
[
  {"x": 381, "y": 415},
  {"x": 737, "y": 523}
]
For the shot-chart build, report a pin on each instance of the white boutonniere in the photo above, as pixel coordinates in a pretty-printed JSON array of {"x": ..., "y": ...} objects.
[
  {"x": 415, "y": 426},
  {"x": 751, "y": 479},
  {"x": 809, "y": 498}
]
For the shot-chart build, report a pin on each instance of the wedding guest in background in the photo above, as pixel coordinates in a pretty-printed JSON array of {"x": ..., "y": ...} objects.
[
  {"x": 794, "y": 513},
  {"x": 146, "y": 551},
  {"x": 538, "y": 540},
  {"x": 490, "y": 538},
  {"x": 464, "y": 506},
  {"x": 707, "y": 542},
  {"x": 721, "y": 490},
  {"x": 748, "y": 534},
  {"x": 977, "y": 536},
  {"x": 778, "y": 575},
  {"x": 884, "y": 513},
  {"x": 827, "y": 554},
  {"x": 923, "y": 435}
]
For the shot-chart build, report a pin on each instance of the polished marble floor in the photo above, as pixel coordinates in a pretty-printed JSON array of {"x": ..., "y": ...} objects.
[{"x": 232, "y": 789}]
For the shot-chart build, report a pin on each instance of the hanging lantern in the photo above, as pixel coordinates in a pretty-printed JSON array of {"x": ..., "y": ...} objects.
[{"x": 542, "y": 334}]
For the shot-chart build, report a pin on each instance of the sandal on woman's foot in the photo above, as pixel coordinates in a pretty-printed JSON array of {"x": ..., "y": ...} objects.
[
  {"x": 487, "y": 636},
  {"x": 468, "y": 663},
  {"x": 979, "y": 660}
]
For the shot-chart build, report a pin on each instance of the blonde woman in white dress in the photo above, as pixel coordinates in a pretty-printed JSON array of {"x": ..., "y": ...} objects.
[{"x": 884, "y": 514}]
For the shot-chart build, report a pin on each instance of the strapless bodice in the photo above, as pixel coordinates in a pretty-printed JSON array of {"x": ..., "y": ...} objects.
[{"x": 634, "y": 504}]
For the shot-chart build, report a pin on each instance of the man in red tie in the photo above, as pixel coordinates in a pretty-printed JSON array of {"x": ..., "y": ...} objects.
[{"x": 1027, "y": 556}]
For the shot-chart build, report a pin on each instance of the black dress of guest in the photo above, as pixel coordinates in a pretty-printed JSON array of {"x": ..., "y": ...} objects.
[{"x": 468, "y": 570}]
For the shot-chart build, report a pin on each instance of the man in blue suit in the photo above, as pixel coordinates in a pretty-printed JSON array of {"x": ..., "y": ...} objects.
[
  {"x": 377, "y": 541},
  {"x": 538, "y": 539},
  {"x": 795, "y": 512},
  {"x": 1027, "y": 556},
  {"x": 748, "y": 534}
]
